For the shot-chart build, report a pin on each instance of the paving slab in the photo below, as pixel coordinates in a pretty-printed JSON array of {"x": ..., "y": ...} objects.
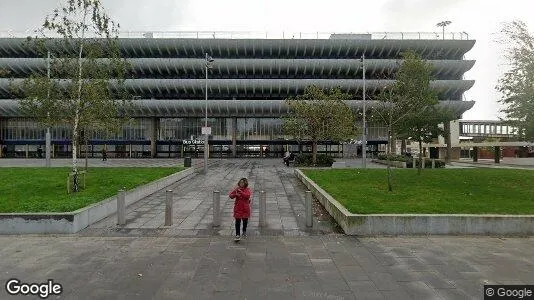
[{"x": 261, "y": 267}]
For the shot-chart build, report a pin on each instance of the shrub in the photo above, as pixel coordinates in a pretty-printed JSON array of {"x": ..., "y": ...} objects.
[
  {"x": 393, "y": 157},
  {"x": 305, "y": 160},
  {"x": 428, "y": 163}
]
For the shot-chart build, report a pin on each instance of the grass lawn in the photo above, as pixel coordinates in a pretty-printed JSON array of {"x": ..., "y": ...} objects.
[
  {"x": 445, "y": 191},
  {"x": 45, "y": 189}
]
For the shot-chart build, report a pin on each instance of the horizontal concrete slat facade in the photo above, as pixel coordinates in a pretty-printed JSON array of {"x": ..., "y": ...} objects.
[
  {"x": 220, "y": 108},
  {"x": 256, "y": 88},
  {"x": 284, "y": 68},
  {"x": 268, "y": 48},
  {"x": 250, "y": 77}
]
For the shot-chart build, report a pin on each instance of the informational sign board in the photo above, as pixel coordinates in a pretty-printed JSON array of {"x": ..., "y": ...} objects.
[
  {"x": 206, "y": 130},
  {"x": 193, "y": 142}
]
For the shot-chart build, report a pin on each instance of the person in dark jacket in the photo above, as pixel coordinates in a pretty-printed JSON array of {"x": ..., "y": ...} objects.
[
  {"x": 242, "y": 195},
  {"x": 287, "y": 157}
]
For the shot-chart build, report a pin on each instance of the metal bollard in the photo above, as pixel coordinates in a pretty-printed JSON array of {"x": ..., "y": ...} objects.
[
  {"x": 121, "y": 208},
  {"x": 433, "y": 163},
  {"x": 216, "y": 208},
  {"x": 263, "y": 209},
  {"x": 168, "y": 208},
  {"x": 309, "y": 211}
]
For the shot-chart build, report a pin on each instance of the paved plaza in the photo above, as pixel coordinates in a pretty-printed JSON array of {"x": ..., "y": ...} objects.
[
  {"x": 267, "y": 267},
  {"x": 505, "y": 163},
  {"x": 285, "y": 260},
  {"x": 193, "y": 203}
]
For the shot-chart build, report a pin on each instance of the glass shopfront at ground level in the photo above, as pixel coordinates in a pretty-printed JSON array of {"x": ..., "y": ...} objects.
[{"x": 162, "y": 137}]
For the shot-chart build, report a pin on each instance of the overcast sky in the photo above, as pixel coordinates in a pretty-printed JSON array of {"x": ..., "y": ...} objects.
[{"x": 482, "y": 19}]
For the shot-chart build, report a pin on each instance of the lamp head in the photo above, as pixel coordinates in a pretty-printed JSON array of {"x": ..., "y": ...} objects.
[
  {"x": 209, "y": 59},
  {"x": 444, "y": 23}
]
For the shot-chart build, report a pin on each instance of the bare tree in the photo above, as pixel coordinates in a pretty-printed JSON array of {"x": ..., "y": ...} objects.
[{"x": 84, "y": 86}]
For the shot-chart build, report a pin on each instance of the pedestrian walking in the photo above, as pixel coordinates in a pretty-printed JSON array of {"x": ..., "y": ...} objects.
[
  {"x": 242, "y": 195},
  {"x": 104, "y": 154},
  {"x": 287, "y": 158}
]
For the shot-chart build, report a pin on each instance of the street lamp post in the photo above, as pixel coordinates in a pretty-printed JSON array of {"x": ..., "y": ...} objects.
[
  {"x": 444, "y": 24},
  {"x": 209, "y": 60},
  {"x": 364, "y": 136}
]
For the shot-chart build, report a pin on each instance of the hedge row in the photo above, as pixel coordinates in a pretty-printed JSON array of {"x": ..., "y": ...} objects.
[
  {"x": 305, "y": 160},
  {"x": 409, "y": 160}
]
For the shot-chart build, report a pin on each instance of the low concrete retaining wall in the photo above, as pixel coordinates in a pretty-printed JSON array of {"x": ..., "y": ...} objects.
[
  {"x": 419, "y": 224},
  {"x": 71, "y": 222},
  {"x": 393, "y": 163}
]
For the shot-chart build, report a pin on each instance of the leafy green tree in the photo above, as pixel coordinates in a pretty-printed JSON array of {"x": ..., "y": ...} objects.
[
  {"x": 409, "y": 107},
  {"x": 412, "y": 87},
  {"x": 4, "y": 73},
  {"x": 423, "y": 123},
  {"x": 84, "y": 85},
  {"x": 320, "y": 115},
  {"x": 517, "y": 84},
  {"x": 424, "y": 126}
]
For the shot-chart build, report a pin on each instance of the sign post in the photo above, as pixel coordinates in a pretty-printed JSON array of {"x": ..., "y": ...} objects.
[{"x": 206, "y": 131}]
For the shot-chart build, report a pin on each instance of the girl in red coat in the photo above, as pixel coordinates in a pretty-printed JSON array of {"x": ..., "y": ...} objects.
[{"x": 242, "y": 203}]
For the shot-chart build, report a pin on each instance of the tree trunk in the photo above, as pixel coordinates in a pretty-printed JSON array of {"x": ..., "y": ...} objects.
[
  {"x": 77, "y": 111},
  {"x": 314, "y": 153},
  {"x": 388, "y": 157},
  {"x": 75, "y": 154},
  {"x": 420, "y": 165},
  {"x": 86, "y": 150}
]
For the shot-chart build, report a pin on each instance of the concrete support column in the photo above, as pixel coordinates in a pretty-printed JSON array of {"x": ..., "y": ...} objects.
[
  {"x": 497, "y": 154},
  {"x": 234, "y": 136},
  {"x": 393, "y": 145},
  {"x": 447, "y": 133},
  {"x": 154, "y": 128},
  {"x": 475, "y": 154}
]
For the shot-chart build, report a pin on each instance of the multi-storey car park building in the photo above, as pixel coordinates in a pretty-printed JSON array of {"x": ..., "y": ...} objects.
[{"x": 250, "y": 78}]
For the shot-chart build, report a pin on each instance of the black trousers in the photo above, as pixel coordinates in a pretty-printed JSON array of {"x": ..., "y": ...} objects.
[{"x": 238, "y": 226}]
